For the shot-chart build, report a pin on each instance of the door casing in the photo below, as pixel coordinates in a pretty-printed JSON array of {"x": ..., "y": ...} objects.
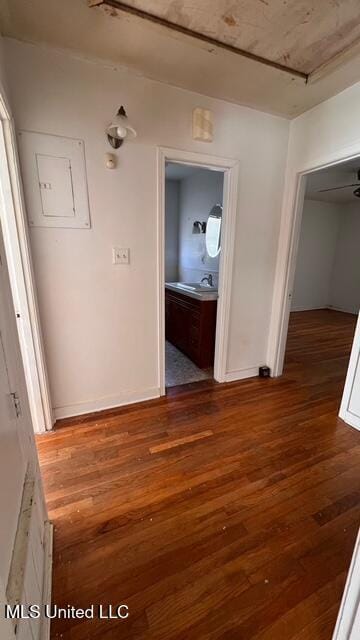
[{"x": 230, "y": 168}]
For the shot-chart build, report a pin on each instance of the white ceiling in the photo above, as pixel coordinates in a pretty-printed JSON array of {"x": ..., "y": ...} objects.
[
  {"x": 299, "y": 33},
  {"x": 339, "y": 176}
]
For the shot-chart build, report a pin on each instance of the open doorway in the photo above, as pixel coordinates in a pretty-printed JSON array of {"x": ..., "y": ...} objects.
[
  {"x": 325, "y": 296},
  {"x": 193, "y": 221}
]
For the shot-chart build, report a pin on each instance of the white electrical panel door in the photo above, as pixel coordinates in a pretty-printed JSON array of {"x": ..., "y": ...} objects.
[
  {"x": 56, "y": 186},
  {"x": 54, "y": 176}
]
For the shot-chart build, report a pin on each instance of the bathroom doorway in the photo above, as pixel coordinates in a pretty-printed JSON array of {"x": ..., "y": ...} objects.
[
  {"x": 197, "y": 247},
  {"x": 193, "y": 217}
]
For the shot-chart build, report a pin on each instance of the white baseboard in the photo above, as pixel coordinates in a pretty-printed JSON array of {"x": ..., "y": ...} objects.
[
  {"x": 350, "y": 419},
  {"x": 47, "y": 579},
  {"x": 102, "y": 404},
  {"x": 240, "y": 374},
  {"x": 353, "y": 313},
  {"x": 296, "y": 309}
]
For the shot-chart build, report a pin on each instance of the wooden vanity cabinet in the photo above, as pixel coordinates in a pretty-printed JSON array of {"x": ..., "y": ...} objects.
[{"x": 190, "y": 325}]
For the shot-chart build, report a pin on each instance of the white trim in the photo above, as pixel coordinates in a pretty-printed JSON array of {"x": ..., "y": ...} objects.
[
  {"x": 288, "y": 248},
  {"x": 300, "y": 309},
  {"x": 240, "y": 374},
  {"x": 231, "y": 178},
  {"x": 348, "y": 621},
  {"x": 290, "y": 226},
  {"x": 111, "y": 402},
  {"x": 230, "y": 168},
  {"x": 47, "y": 579},
  {"x": 345, "y": 413},
  {"x": 329, "y": 307},
  {"x": 18, "y": 255},
  {"x": 352, "y": 313},
  {"x": 161, "y": 159}
]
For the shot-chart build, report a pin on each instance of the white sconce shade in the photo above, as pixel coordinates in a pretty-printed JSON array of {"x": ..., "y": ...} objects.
[
  {"x": 203, "y": 125},
  {"x": 119, "y": 129}
]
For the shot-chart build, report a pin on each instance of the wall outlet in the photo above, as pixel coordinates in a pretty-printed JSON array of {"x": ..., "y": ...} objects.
[{"x": 121, "y": 256}]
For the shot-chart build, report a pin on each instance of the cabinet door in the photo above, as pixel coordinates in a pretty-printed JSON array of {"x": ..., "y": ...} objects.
[
  {"x": 194, "y": 335},
  {"x": 180, "y": 324}
]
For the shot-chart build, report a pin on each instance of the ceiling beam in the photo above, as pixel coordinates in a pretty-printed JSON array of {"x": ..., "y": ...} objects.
[{"x": 144, "y": 15}]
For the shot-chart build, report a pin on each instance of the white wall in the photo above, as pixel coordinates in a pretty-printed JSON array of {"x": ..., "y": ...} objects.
[
  {"x": 171, "y": 230},
  {"x": 316, "y": 255},
  {"x": 199, "y": 192},
  {"x": 345, "y": 288},
  {"x": 327, "y": 266},
  {"x": 100, "y": 322},
  {"x": 328, "y": 133}
]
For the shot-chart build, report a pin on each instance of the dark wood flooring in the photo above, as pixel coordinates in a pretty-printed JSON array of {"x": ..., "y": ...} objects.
[{"x": 222, "y": 512}]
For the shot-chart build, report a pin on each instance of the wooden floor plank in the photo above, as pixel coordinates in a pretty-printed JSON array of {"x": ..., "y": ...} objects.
[
  {"x": 219, "y": 512},
  {"x": 170, "y": 444}
]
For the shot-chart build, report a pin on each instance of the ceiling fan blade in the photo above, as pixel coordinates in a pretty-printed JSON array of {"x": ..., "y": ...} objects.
[{"x": 344, "y": 186}]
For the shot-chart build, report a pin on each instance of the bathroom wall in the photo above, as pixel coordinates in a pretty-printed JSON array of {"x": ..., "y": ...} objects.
[
  {"x": 171, "y": 230},
  {"x": 199, "y": 192}
]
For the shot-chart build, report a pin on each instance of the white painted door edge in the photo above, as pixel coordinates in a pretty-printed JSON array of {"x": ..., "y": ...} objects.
[
  {"x": 14, "y": 225},
  {"x": 230, "y": 168},
  {"x": 345, "y": 414},
  {"x": 348, "y": 621}
]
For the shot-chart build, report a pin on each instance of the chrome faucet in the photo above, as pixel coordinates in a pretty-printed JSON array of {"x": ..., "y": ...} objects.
[{"x": 208, "y": 279}]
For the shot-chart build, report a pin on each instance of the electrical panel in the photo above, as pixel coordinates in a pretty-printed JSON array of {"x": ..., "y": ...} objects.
[{"x": 54, "y": 176}]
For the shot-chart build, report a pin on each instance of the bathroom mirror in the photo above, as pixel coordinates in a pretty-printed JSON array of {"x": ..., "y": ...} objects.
[{"x": 213, "y": 231}]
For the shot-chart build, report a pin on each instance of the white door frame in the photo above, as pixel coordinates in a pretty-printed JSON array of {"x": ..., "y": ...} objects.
[
  {"x": 230, "y": 168},
  {"x": 18, "y": 255},
  {"x": 293, "y": 202}
]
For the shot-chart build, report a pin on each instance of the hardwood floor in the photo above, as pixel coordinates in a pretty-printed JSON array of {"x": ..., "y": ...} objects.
[{"x": 225, "y": 512}]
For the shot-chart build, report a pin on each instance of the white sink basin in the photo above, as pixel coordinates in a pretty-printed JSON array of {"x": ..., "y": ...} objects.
[
  {"x": 194, "y": 286},
  {"x": 194, "y": 289}
]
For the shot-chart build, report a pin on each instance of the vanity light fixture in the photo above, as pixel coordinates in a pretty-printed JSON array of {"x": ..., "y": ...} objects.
[
  {"x": 119, "y": 129},
  {"x": 199, "y": 227}
]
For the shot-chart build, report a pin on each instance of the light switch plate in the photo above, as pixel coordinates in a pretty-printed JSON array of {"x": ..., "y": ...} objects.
[{"x": 121, "y": 256}]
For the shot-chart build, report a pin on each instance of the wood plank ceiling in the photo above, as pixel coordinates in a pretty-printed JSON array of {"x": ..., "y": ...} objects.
[
  {"x": 309, "y": 50},
  {"x": 301, "y": 35}
]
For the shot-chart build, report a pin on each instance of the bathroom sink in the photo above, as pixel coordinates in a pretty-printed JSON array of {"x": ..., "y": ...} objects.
[
  {"x": 198, "y": 290},
  {"x": 194, "y": 286}
]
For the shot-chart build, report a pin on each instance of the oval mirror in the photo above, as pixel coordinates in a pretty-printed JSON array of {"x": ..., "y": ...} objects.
[{"x": 213, "y": 231}]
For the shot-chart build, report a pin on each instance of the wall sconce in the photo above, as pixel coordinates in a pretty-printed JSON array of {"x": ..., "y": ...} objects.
[
  {"x": 119, "y": 129},
  {"x": 199, "y": 227}
]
